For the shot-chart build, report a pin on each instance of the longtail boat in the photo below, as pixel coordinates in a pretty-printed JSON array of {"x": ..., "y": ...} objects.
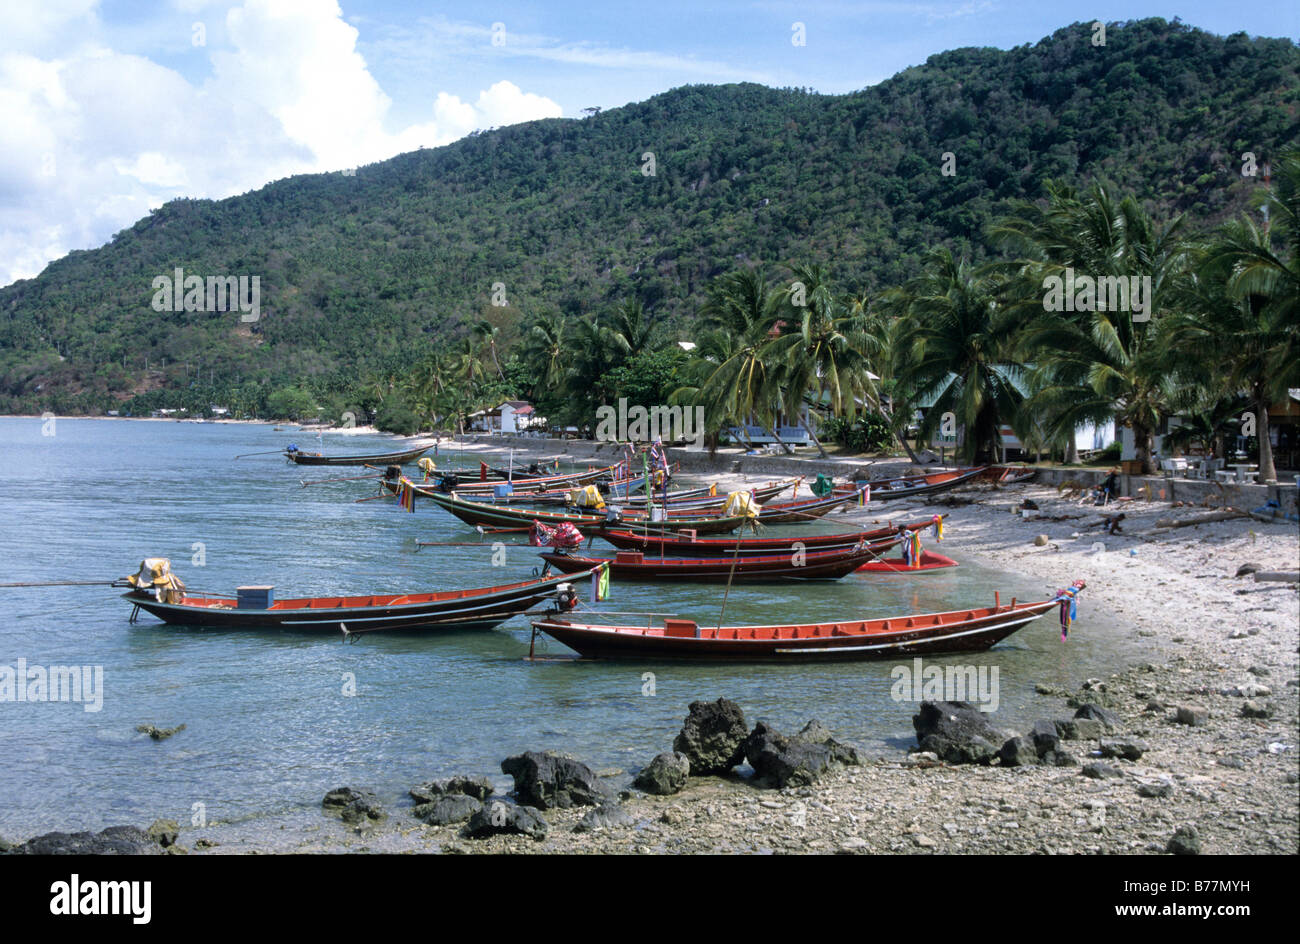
[
  {"x": 455, "y": 481},
  {"x": 965, "y": 630},
  {"x": 682, "y": 545},
  {"x": 1008, "y": 474},
  {"x": 698, "y": 500},
  {"x": 796, "y": 512},
  {"x": 474, "y": 608},
  {"x": 499, "y": 516},
  {"x": 811, "y": 565},
  {"x": 295, "y": 454},
  {"x": 910, "y": 486}
]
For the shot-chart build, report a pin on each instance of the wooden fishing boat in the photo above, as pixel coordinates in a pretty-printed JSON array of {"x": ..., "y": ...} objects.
[
  {"x": 458, "y": 482},
  {"x": 476, "y": 608},
  {"x": 929, "y": 561},
  {"x": 965, "y": 630},
  {"x": 811, "y": 565},
  {"x": 501, "y": 516},
  {"x": 386, "y": 458},
  {"x": 698, "y": 500},
  {"x": 798, "y": 512},
  {"x": 684, "y": 545},
  {"x": 1008, "y": 474},
  {"x": 911, "y": 486}
]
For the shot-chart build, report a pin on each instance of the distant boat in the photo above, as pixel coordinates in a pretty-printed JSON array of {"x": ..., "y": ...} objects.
[
  {"x": 294, "y": 454},
  {"x": 910, "y": 486}
]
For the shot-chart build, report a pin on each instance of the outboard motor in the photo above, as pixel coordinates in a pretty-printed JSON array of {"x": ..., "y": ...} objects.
[
  {"x": 566, "y": 598},
  {"x": 448, "y": 483},
  {"x": 534, "y": 469},
  {"x": 603, "y": 488},
  {"x": 392, "y": 473},
  {"x": 612, "y": 516}
]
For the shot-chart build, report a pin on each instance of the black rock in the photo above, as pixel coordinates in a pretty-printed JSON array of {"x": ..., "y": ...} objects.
[
  {"x": 1160, "y": 789},
  {"x": 1099, "y": 771},
  {"x": 1185, "y": 841},
  {"x": 165, "y": 832},
  {"x": 353, "y": 806},
  {"x": 609, "y": 816},
  {"x": 665, "y": 775},
  {"x": 1191, "y": 715},
  {"x": 817, "y": 733},
  {"x": 115, "y": 840},
  {"x": 1018, "y": 752},
  {"x": 548, "y": 780},
  {"x": 712, "y": 737},
  {"x": 1045, "y": 737},
  {"x": 448, "y": 809},
  {"x": 955, "y": 732},
  {"x": 1256, "y": 709},
  {"x": 498, "y": 818},
  {"x": 1109, "y": 721},
  {"x": 159, "y": 734},
  {"x": 1127, "y": 748},
  {"x": 783, "y": 761},
  {"x": 1060, "y": 758},
  {"x": 480, "y": 788}
]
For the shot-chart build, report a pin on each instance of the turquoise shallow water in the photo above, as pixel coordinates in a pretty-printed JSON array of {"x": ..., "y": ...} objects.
[{"x": 269, "y": 728}]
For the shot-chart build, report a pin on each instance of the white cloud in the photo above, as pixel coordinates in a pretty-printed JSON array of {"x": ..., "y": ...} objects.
[{"x": 92, "y": 138}]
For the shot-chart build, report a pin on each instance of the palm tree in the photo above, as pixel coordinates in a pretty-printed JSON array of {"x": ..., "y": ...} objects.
[
  {"x": 1248, "y": 294},
  {"x": 545, "y": 351},
  {"x": 1091, "y": 366},
  {"x": 740, "y": 313},
  {"x": 825, "y": 349},
  {"x": 630, "y": 331},
  {"x": 956, "y": 347},
  {"x": 1244, "y": 340}
]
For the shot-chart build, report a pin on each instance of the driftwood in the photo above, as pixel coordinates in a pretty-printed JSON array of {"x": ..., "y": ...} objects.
[
  {"x": 1278, "y": 576},
  {"x": 1200, "y": 519}
]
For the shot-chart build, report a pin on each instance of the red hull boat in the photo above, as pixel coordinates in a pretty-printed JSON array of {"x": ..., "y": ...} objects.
[
  {"x": 815, "y": 565},
  {"x": 910, "y": 486},
  {"x": 674, "y": 545},
  {"x": 474, "y": 608},
  {"x": 969, "y": 630}
]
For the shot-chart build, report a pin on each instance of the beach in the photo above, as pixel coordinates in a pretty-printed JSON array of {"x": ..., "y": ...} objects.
[{"x": 1225, "y": 653}]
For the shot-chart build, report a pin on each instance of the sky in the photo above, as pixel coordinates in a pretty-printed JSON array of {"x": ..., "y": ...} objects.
[{"x": 110, "y": 108}]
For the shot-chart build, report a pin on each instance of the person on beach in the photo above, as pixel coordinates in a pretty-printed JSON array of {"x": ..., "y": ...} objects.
[{"x": 1108, "y": 486}]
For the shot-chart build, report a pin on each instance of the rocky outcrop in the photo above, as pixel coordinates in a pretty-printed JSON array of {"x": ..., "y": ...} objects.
[
  {"x": 448, "y": 809},
  {"x": 498, "y": 818},
  {"x": 546, "y": 780},
  {"x": 665, "y": 775},
  {"x": 712, "y": 737},
  {"x": 115, "y": 840},
  {"x": 354, "y": 806},
  {"x": 955, "y": 732},
  {"x": 159, "y": 734},
  {"x": 609, "y": 816},
  {"x": 782, "y": 761},
  {"x": 480, "y": 788}
]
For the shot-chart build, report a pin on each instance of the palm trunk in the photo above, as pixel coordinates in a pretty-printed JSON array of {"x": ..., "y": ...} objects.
[
  {"x": 1144, "y": 444},
  {"x": 821, "y": 453},
  {"x": 1071, "y": 452},
  {"x": 1267, "y": 473}
]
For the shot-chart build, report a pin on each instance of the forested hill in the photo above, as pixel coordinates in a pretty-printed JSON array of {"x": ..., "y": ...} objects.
[{"x": 365, "y": 273}]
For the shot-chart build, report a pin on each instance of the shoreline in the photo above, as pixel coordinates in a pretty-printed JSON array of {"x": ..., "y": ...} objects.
[{"x": 1232, "y": 777}]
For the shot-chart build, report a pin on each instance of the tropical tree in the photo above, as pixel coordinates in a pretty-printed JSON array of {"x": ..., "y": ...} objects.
[
  {"x": 956, "y": 349},
  {"x": 1102, "y": 360},
  {"x": 824, "y": 347}
]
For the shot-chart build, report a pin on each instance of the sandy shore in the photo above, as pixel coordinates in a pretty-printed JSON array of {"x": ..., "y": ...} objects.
[{"x": 1225, "y": 641}]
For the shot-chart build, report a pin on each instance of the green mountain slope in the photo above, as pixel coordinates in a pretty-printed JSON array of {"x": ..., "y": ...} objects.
[{"x": 361, "y": 274}]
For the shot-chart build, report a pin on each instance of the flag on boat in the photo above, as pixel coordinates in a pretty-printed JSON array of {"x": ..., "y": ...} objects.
[
  {"x": 600, "y": 583},
  {"x": 406, "y": 495},
  {"x": 938, "y": 527}
]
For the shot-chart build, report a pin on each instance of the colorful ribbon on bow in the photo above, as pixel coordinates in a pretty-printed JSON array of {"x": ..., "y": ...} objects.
[
  {"x": 1069, "y": 607},
  {"x": 406, "y": 495},
  {"x": 938, "y": 527}
]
